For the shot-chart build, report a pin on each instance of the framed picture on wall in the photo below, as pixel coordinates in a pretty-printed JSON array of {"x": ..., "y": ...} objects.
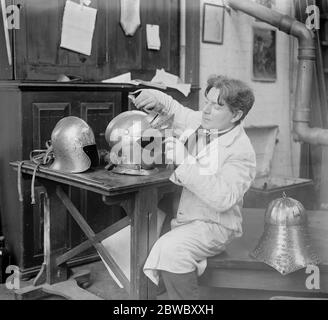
[
  {"x": 264, "y": 55},
  {"x": 213, "y": 23}
]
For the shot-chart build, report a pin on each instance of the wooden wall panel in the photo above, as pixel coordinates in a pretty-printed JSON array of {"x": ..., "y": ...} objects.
[
  {"x": 37, "y": 44},
  {"x": 42, "y": 26},
  {"x": 5, "y": 69},
  {"x": 130, "y": 53},
  {"x": 45, "y": 117},
  {"x": 38, "y": 54},
  {"x": 125, "y": 51}
]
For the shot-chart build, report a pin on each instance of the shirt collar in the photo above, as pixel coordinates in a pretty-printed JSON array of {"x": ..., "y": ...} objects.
[
  {"x": 226, "y": 137},
  {"x": 215, "y": 131}
]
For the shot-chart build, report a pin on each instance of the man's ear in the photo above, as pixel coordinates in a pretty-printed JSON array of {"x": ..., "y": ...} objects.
[{"x": 237, "y": 116}]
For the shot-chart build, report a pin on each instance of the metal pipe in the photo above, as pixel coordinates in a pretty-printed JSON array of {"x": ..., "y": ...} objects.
[{"x": 306, "y": 57}]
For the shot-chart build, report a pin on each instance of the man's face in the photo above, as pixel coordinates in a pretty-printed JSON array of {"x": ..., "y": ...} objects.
[{"x": 216, "y": 116}]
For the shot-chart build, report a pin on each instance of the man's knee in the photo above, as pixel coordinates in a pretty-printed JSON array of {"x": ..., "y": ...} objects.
[{"x": 169, "y": 250}]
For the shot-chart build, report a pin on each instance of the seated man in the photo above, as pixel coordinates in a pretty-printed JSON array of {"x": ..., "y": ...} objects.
[{"x": 215, "y": 173}]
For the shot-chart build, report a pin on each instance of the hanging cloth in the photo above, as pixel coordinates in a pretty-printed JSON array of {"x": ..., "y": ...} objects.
[{"x": 130, "y": 16}]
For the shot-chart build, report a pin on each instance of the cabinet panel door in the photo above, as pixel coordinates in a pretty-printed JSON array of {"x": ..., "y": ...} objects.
[
  {"x": 98, "y": 115},
  {"x": 45, "y": 118},
  {"x": 37, "y": 43}
]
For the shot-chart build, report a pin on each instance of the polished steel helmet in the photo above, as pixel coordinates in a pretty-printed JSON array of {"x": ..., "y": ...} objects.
[
  {"x": 135, "y": 141},
  {"x": 285, "y": 243},
  {"x": 74, "y": 146}
]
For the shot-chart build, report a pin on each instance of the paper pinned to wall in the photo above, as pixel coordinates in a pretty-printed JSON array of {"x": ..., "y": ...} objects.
[
  {"x": 78, "y": 27},
  {"x": 153, "y": 39}
]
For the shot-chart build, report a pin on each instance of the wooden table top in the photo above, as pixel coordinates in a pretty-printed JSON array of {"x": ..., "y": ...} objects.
[
  {"x": 98, "y": 180},
  {"x": 237, "y": 254}
]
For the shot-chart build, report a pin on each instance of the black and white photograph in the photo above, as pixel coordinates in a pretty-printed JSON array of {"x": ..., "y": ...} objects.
[{"x": 163, "y": 155}]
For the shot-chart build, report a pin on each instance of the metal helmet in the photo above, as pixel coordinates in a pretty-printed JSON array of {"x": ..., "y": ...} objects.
[
  {"x": 285, "y": 243},
  {"x": 135, "y": 140},
  {"x": 74, "y": 146}
]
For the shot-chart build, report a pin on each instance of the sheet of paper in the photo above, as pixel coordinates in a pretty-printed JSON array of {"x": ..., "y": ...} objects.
[
  {"x": 172, "y": 81},
  {"x": 153, "y": 39},
  {"x": 162, "y": 80},
  {"x": 123, "y": 78},
  {"x": 118, "y": 245},
  {"x": 78, "y": 27},
  {"x": 165, "y": 77}
]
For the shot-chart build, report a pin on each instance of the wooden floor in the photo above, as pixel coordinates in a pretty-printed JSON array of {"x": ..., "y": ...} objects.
[{"x": 104, "y": 287}]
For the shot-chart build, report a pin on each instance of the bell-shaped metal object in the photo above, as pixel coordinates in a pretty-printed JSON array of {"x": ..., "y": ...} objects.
[
  {"x": 135, "y": 141},
  {"x": 285, "y": 243}
]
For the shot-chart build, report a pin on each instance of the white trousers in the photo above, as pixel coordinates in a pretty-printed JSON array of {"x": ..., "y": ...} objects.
[{"x": 186, "y": 248}]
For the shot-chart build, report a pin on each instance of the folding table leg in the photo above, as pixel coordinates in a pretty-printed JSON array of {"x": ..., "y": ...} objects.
[
  {"x": 143, "y": 236},
  {"x": 93, "y": 238}
]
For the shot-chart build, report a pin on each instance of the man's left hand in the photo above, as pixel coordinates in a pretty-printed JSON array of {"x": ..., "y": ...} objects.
[{"x": 175, "y": 151}]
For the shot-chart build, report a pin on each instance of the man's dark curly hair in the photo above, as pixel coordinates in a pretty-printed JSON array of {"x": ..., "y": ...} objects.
[{"x": 235, "y": 93}]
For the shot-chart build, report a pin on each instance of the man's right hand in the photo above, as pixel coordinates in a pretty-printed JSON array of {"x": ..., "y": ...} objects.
[{"x": 148, "y": 101}]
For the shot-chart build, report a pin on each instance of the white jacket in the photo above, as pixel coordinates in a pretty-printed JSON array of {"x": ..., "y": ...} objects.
[{"x": 214, "y": 185}]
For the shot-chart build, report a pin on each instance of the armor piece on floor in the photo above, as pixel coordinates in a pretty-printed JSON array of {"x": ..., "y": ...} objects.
[
  {"x": 74, "y": 146},
  {"x": 285, "y": 243}
]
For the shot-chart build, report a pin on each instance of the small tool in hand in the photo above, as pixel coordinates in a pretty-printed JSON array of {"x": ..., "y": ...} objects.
[{"x": 159, "y": 121}]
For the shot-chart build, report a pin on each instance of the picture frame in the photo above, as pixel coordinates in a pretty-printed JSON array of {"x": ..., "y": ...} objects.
[
  {"x": 264, "y": 64},
  {"x": 213, "y": 23}
]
